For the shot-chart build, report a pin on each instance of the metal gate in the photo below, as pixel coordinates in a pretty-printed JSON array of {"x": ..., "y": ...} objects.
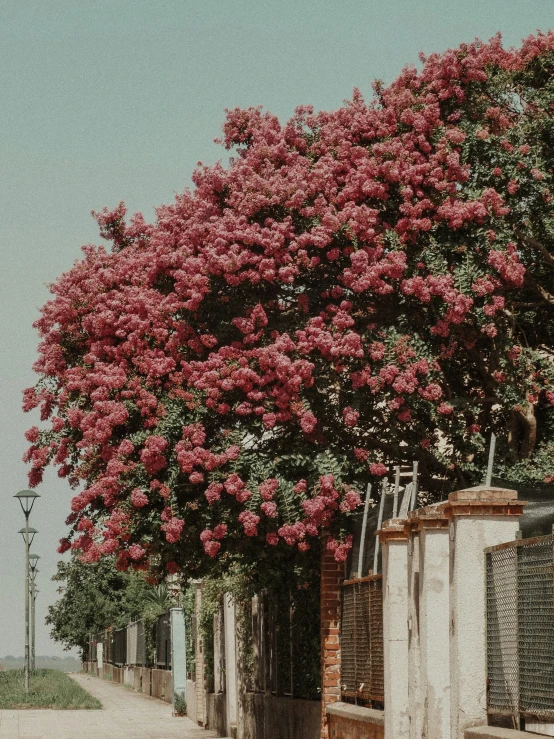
[{"x": 362, "y": 665}]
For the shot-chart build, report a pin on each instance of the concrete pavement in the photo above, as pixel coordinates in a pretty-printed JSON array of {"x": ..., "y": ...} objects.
[{"x": 125, "y": 715}]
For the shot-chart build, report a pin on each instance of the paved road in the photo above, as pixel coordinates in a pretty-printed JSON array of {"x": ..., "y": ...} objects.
[{"x": 125, "y": 715}]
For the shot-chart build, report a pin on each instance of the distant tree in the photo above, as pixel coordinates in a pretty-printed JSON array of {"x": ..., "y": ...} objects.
[
  {"x": 93, "y": 597},
  {"x": 358, "y": 288}
]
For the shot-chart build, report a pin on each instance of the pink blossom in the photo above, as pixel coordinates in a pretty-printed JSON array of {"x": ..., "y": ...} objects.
[
  {"x": 250, "y": 522},
  {"x": 268, "y": 488},
  {"x": 350, "y": 416},
  {"x": 65, "y": 544},
  {"x": 173, "y": 529},
  {"x": 270, "y": 509},
  {"x": 136, "y": 552},
  {"x": 308, "y": 423},
  {"x": 220, "y": 531},
  {"x": 300, "y": 487},
  {"x": 139, "y": 498},
  {"x": 212, "y": 548}
]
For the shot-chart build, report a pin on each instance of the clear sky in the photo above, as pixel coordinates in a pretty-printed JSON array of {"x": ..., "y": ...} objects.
[{"x": 103, "y": 100}]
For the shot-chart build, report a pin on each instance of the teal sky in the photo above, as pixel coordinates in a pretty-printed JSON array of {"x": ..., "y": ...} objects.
[{"x": 103, "y": 100}]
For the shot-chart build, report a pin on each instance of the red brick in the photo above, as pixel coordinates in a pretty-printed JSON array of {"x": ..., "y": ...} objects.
[{"x": 332, "y": 576}]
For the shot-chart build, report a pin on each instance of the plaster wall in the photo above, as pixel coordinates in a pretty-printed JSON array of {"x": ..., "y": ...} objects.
[
  {"x": 470, "y": 535},
  {"x": 435, "y": 641},
  {"x": 414, "y": 654},
  {"x": 395, "y": 637},
  {"x": 230, "y": 626}
]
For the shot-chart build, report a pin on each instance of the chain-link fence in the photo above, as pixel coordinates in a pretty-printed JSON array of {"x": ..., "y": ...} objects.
[
  {"x": 520, "y": 628},
  {"x": 362, "y": 666}
]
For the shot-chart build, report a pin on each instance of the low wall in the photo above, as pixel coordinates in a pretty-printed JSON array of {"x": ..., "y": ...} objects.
[
  {"x": 157, "y": 683},
  {"x": 216, "y": 713},
  {"x": 261, "y": 716},
  {"x": 492, "y": 732},
  {"x": 191, "y": 700},
  {"x": 162, "y": 685},
  {"x": 271, "y": 717},
  {"x": 347, "y": 721}
]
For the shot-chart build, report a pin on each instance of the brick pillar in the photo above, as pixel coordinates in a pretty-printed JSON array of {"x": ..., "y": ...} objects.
[{"x": 332, "y": 577}]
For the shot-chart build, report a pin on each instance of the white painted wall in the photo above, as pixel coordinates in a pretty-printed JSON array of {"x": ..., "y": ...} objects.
[
  {"x": 395, "y": 634},
  {"x": 435, "y": 632},
  {"x": 230, "y": 622},
  {"x": 470, "y": 536},
  {"x": 414, "y": 653}
]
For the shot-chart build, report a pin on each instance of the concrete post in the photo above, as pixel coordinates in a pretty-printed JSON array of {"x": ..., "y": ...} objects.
[
  {"x": 219, "y": 652},
  {"x": 178, "y": 658},
  {"x": 394, "y": 540},
  {"x": 414, "y": 647},
  {"x": 201, "y": 715},
  {"x": 230, "y": 626},
  {"x": 480, "y": 517},
  {"x": 431, "y": 526}
]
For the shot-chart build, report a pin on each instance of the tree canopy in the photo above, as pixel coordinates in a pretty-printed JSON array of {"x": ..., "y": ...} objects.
[
  {"x": 93, "y": 598},
  {"x": 357, "y": 288}
]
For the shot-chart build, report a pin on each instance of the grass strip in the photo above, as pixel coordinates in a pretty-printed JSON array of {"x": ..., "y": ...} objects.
[{"x": 47, "y": 689}]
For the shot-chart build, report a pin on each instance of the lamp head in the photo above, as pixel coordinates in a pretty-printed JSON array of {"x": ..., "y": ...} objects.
[
  {"x": 26, "y": 499},
  {"x": 31, "y": 533},
  {"x": 34, "y": 557}
]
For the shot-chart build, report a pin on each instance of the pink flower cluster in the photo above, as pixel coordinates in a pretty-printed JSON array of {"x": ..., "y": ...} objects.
[{"x": 329, "y": 287}]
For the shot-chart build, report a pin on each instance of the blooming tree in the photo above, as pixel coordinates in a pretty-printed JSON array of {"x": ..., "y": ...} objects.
[{"x": 357, "y": 288}]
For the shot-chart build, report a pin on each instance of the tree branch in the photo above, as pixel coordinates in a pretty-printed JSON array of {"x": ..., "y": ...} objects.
[
  {"x": 547, "y": 297},
  {"x": 536, "y": 245}
]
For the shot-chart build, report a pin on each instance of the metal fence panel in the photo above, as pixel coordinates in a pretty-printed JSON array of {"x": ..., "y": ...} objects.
[
  {"x": 520, "y": 628},
  {"x": 141, "y": 645},
  {"x": 132, "y": 634},
  {"x": 107, "y": 641},
  {"x": 536, "y": 629},
  {"x": 119, "y": 647},
  {"x": 163, "y": 642},
  {"x": 362, "y": 639},
  {"x": 502, "y": 631}
]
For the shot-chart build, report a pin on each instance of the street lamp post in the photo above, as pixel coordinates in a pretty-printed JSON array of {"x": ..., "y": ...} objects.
[
  {"x": 34, "y": 570},
  {"x": 26, "y": 499}
]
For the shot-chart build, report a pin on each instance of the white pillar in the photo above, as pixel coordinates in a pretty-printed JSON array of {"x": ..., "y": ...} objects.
[
  {"x": 414, "y": 651},
  {"x": 434, "y": 619},
  {"x": 230, "y": 625},
  {"x": 393, "y": 537},
  {"x": 178, "y": 658},
  {"x": 481, "y": 517}
]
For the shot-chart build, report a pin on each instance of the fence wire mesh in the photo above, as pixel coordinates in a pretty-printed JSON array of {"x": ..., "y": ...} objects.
[
  {"x": 119, "y": 647},
  {"x": 362, "y": 639},
  {"x": 520, "y": 628},
  {"x": 163, "y": 642}
]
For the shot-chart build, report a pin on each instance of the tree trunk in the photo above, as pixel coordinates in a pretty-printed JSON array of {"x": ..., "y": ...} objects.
[{"x": 522, "y": 424}]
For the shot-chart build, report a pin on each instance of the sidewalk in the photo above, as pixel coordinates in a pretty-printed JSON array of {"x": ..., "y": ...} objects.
[{"x": 125, "y": 715}]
